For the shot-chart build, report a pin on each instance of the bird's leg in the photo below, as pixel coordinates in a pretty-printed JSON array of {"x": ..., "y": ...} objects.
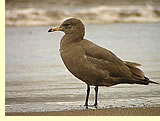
[
  {"x": 88, "y": 91},
  {"x": 96, "y": 94}
]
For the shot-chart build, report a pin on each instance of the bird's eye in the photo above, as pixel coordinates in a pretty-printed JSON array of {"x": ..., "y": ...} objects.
[{"x": 67, "y": 25}]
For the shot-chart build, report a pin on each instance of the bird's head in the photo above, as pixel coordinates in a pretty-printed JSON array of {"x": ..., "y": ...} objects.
[{"x": 70, "y": 26}]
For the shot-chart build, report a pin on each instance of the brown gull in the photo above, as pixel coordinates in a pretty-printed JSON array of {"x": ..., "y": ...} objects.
[{"x": 94, "y": 65}]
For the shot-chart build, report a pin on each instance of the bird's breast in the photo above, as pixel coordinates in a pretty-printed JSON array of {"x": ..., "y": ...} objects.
[
  {"x": 77, "y": 63},
  {"x": 72, "y": 57}
]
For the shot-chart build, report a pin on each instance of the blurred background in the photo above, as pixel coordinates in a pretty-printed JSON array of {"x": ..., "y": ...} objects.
[
  {"x": 47, "y": 12},
  {"x": 36, "y": 78}
]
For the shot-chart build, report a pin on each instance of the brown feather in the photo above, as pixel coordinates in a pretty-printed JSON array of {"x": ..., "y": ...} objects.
[
  {"x": 131, "y": 63},
  {"x": 137, "y": 73}
]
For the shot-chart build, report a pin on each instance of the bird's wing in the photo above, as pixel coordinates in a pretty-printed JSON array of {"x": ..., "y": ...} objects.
[
  {"x": 105, "y": 60},
  {"x": 98, "y": 52}
]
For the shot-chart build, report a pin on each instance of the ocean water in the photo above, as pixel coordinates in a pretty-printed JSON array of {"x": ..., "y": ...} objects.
[
  {"x": 37, "y": 80},
  {"x": 49, "y": 12}
]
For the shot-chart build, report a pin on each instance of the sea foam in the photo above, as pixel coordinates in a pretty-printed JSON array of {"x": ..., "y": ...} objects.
[{"x": 92, "y": 15}]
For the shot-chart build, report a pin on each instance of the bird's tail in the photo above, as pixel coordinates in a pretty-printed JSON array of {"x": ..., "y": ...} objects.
[
  {"x": 145, "y": 81},
  {"x": 138, "y": 74},
  {"x": 149, "y": 81},
  {"x": 115, "y": 80}
]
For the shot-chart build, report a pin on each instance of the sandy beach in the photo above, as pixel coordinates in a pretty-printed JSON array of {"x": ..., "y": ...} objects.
[{"x": 149, "y": 111}]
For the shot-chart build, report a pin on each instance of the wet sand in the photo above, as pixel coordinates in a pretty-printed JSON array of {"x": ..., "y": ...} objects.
[{"x": 150, "y": 111}]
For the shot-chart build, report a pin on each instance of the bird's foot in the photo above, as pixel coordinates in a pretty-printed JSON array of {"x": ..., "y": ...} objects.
[
  {"x": 86, "y": 105},
  {"x": 95, "y": 105}
]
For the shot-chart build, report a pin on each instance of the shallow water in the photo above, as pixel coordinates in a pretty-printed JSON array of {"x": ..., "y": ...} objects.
[{"x": 36, "y": 79}]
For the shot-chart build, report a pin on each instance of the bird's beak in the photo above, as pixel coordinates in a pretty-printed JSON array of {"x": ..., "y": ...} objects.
[{"x": 54, "y": 29}]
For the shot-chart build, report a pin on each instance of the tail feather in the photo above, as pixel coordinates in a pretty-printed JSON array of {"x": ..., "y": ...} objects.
[
  {"x": 149, "y": 81},
  {"x": 116, "y": 80},
  {"x": 145, "y": 81},
  {"x": 138, "y": 74},
  {"x": 131, "y": 63},
  {"x": 153, "y": 82}
]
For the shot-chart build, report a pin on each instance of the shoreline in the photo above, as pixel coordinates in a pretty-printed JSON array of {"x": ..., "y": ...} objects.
[{"x": 142, "y": 111}]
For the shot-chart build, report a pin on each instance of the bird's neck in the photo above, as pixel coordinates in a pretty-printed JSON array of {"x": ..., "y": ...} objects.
[{"x": 67, "y": 39}]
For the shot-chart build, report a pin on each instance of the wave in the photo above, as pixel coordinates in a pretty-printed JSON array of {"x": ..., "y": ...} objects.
[{"x": 92, "y": 15}]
